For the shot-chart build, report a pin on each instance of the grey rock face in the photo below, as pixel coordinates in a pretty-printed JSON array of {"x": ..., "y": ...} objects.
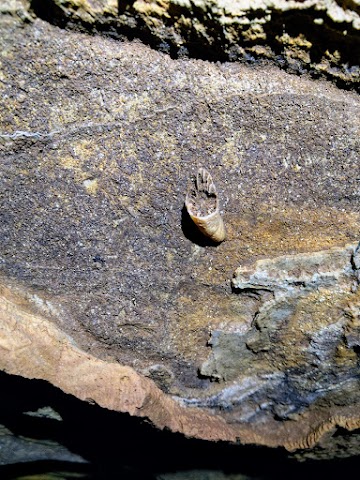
[{"x": 281, "y": 362}]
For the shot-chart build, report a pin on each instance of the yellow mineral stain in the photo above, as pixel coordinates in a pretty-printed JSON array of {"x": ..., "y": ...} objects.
[
  {"x": 158, "y": 8},
  {"x": 69, "y": 162},
  {"x": 345, "y": 356}
]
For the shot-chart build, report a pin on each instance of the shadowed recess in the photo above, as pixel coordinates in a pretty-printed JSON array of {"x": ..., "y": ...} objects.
[{"x": 117, "y": 444}]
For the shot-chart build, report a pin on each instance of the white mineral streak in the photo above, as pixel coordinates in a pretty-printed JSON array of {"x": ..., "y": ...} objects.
[{"x": 305, "y": 270}]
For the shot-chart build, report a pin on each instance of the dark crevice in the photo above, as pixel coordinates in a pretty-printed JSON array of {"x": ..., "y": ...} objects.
[
  {"x": 328, "y": 37},
  {"x": 257, "y": 293},
  {"x": 119, "y": 446},
  {"x": 43, "y": 470}
]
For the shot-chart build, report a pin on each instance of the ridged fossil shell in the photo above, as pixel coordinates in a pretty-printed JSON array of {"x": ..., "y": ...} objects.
[{"x": 202, "y": 204}]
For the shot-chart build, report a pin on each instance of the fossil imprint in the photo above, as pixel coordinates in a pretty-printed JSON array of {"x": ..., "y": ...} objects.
[{"x": 202, "y": 204}]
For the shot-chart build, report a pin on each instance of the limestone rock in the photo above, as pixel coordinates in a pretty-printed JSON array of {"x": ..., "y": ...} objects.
[
  {"x": 299, "y": 337},
  {"x": 109, "y": 292},
  {"x": 321, "y": 37}
]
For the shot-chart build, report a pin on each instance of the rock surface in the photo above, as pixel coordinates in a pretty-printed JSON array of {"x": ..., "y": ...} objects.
[
  {"x": 15, "y": 450},
  {"x": 321, "y": 37},
  {"x": 110, "y": 293}
]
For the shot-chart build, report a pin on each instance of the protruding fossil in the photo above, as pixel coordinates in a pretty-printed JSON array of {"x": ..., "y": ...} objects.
[{"x": 202, "y": 204}]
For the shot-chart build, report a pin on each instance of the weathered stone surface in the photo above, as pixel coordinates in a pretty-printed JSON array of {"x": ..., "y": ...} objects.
[
  {"x": 15, "y": 449},
  {"x": 108, "y": 291},
  {"x": 317, "y": 36},
  {"x": 34, "y": 348},
  {"x": 308, "y": 300}
]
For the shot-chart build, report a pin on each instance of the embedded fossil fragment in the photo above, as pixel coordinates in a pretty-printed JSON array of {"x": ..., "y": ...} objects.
[{"x": 202, "y": 204}]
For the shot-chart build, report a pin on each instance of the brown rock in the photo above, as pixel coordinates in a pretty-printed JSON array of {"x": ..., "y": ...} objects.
[
  {"x": 318, "y": 37},
  {"x": 106, "y": 286}
]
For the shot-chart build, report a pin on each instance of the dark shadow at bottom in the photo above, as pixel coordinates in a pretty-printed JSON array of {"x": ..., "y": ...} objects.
[{"x": 119, "y": 446}]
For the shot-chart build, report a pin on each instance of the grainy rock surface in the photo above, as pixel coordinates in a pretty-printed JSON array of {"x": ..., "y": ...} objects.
[
  {"x": 321, "y": 37},
  {"x": 109, "y": 292}
]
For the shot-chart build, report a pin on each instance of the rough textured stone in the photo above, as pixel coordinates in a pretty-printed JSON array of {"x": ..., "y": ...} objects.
[
  {"x": 110, "y": 293},
  {"x": 321, "y": 37},
  {"x": 309, "y": 300}
]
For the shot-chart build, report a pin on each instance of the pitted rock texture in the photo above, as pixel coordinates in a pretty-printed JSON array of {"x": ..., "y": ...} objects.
[
  {"x": 108, "y": 290},
  {"x": 321, "y": 37}
]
